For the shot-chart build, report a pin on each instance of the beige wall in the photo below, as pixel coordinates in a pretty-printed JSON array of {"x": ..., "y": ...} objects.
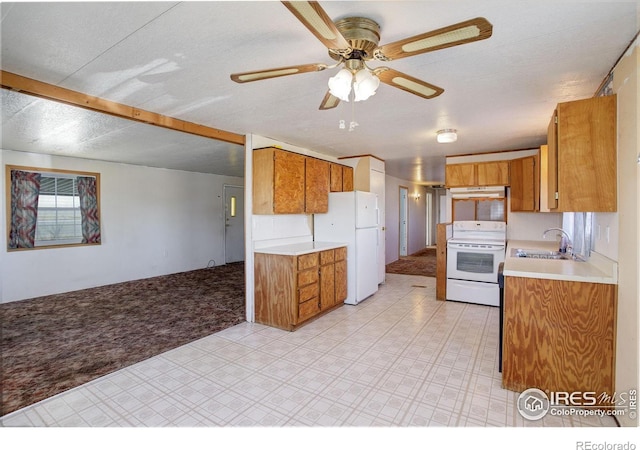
[
  {"x": 416, "y": 217},
  {"x": 625, "y": 85}
]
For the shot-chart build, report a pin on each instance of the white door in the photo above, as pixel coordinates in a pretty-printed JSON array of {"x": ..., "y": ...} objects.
[
  {"x": 233, "y": 224},
  {"x": 404, "y": 193}
]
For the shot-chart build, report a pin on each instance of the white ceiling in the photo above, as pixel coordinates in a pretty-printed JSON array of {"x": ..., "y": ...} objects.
[{"x": 175, "y": 59}]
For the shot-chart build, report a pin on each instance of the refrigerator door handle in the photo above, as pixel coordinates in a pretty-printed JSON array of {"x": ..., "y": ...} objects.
[{"x": 377, "y": 216}]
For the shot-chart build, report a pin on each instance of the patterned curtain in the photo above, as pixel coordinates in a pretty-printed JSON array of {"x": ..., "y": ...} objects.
[
  {"x": 89, "y": 210},
  {"x": 25, "y": 190}
]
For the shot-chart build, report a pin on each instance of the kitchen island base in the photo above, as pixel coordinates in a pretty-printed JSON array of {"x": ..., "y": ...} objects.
[
  {"x": 559, "y": 336},
  {"x": 292, "y": 290}
]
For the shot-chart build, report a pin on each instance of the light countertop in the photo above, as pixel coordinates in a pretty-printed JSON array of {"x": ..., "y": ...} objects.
[
  {"x": 598, "y": 269},
  {"x": 300, "y": 248}
]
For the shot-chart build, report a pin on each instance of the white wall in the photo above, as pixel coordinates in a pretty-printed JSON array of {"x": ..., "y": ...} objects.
[
  {"x": 417, "y": 217},
  {"x": 625, "y": 85},
  {"x": 530, "y": 225},
  {"x": 154, "y": 222}
]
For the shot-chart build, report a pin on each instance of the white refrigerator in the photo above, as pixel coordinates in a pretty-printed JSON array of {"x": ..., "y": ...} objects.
[{"x": 353, "y": 218}]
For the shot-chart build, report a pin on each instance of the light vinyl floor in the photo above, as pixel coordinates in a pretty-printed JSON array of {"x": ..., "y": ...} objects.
[{"x": 398, "y": 359}]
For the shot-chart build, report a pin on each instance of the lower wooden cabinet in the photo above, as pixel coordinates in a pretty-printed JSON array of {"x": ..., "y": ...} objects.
[
  {"x": 559, "y": 336},
  {"x": 441, "y": 260},
  {"x": 291, "y": 290}
]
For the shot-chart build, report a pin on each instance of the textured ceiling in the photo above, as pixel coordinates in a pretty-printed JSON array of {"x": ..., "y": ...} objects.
[{"x": 175, "y": 59}]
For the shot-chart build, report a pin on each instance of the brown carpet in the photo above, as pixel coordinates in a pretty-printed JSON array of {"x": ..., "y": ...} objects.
[
  {"x": 54, "y": 343},
  {"x": 422, "y": 262}
]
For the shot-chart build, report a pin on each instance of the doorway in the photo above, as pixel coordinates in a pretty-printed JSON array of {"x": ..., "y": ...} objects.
[
  {"x": 404, "y": 194},
  {"x": 233, "y": 223}
]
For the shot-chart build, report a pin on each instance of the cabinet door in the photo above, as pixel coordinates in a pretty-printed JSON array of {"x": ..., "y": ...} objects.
[
  {"x": 586, "y": 155},
  {"x": 276, "y": 292},
  {"x": 460, "y": 175},
  {"x": 316, "y": 188},
  {"x": 336, "y": 177},
  {"x": 347, "y": 179},
  {"x": 495, "y": 173},
  {"x": 288, "y": 182},
  {"x": 341, "y": 280},
  {"x": 523, "y": 184},
  {"x": 441, "y": 261},
  {"x": 327, "y": 286},
  {"x": 552, "y": 162},
  {"x": 558, "y": 335}
]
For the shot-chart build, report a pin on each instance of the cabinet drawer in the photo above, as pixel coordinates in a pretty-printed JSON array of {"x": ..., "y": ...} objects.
[
  {"x": 326, "y": 257},
  {"x": 341, "y": 253},
  {"x": 308, "y": 309},
  {"x": 307, "y": 261},
  {"x": 307, "y": 277},
  {"x": 307, "y": 292}
]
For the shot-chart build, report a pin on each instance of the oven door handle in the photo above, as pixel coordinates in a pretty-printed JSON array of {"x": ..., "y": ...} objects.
[{"x": 497, "y": 248}]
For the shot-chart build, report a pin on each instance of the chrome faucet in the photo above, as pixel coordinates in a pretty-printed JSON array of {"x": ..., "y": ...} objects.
[{"x": 565, "y": 240}]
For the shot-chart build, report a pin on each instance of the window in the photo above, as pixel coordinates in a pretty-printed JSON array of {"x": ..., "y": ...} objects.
[
  {"x": 50, "y": 207},
  {"x": 59, "y": 219}
]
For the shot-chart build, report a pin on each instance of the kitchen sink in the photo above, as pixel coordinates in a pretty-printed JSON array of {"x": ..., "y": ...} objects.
[{"x": 538, "y": 254}]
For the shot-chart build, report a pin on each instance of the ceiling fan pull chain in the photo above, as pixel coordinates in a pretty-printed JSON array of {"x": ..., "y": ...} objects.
[{"x": 353, "y": 124}]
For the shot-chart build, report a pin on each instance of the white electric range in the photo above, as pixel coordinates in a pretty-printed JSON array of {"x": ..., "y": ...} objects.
[{"x": 474, "y": 253}]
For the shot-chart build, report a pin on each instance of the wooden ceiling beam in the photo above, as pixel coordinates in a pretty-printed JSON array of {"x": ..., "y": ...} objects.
[{"x": 47, "y": 91}]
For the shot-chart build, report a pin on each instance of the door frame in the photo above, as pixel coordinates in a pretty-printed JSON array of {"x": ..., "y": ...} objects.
[
  {"x": 403, "y": 202},
  {"x": 239, "y": 210},
  {"x": 430, "y": 223}
]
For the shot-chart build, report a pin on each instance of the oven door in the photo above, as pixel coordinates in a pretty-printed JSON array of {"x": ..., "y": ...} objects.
[{"x": 474, "y": 262}]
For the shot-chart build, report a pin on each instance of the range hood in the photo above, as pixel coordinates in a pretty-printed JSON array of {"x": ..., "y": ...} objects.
[{"x": 478, "y": 192}]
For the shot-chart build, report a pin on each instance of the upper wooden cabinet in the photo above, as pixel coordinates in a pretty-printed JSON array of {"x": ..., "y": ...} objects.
[
  {"x": 290, "y": 183},
  {"x": 491, "y": 173},
  {"x": 460, "y": 175},
  {"x": 278, "y": 181},
  {"x": 582, "y": 166},
  {"x": 341, "y": 178},
  {"x": 494, "y": 173},
  {"x": 525, "y": 184},
  {"x": 316, "y": 186},
  {"x": 347, "y": 179}
]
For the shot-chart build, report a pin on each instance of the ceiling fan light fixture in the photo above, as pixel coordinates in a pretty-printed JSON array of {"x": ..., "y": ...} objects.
[
  {"x": 446, "y": 136},
  {"x": 340, "y": 84},
  {"x": 365, "y": 85}
]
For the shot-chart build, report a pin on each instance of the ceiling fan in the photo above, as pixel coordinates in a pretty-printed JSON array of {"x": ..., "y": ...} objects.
[{"x": 354, "y": 40}]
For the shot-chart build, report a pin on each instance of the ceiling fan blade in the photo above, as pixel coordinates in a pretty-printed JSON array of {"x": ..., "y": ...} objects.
[
  {"x": 407, "y": 83},
  {"x": 329, "y": 101},
  {"x": 245, "y": 77},
  {"x": 319, "y": 23},
  {"x": 460, "y": 33}
]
